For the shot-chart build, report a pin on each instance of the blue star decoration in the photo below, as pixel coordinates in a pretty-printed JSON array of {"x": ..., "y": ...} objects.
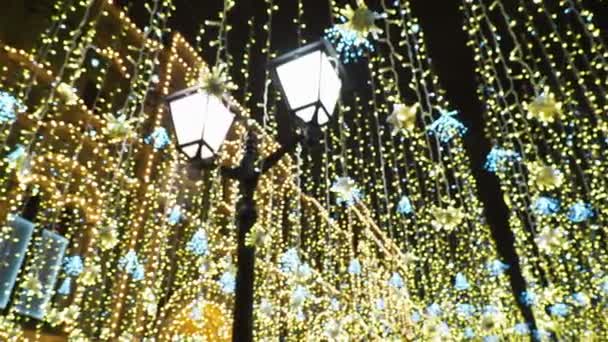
[
  {"x": 446, "y": 127},
  {"x": 198, "y": 244},
  {"x": 354, "y": 267},
  {"x": 9, "y": 107},
  {"x": 580, "y": 212},
  {"x": 522, "y": 328},
  {"x": 543, "y": 205},
  {"x": 131, "y": 265},
  {"x": 396, "y": 281},
  {"x": 175, "y": 215},
  {"x": 434, "y": 310},
  {"x": 72, "y": 266},
  {"x": 465, "y": 309},
  {"x": 159, "y": 138},
  {"x": 498, "y": 159},
  {"x": 461, "y": 283},
  {"x": 290, "y": 261},
  {"x": 559, "y": 309},
  {"x": 527, "y": 298},
  {"x": 228, "y": 282},
  {"x": 404, "y": 207},
  {"x": 348, "y": 45},
  {"x": 496, "y": 267}
]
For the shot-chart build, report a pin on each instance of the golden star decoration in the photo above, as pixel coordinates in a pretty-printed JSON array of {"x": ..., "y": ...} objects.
[
  {"x": 90, "y": 275},
  {"x": 551, "y": 240},
  {"x": 447, "y": 218},
  {"x": 545, "y": 177},
  {"x": 67, "y": 94},
  {"x": 360, "y": 20},
  {"x": 403, "y": 118},
  {"x": 544, "y": 107},
  {"x": 108, "y": 236},
  {"x": 217, "y": 82},
  {"x": 33, "y": 286},
  {"x": 119, "y": 128}
]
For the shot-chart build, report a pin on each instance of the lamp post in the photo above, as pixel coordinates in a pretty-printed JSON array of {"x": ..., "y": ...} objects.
[{"x": 311, "y": 86}]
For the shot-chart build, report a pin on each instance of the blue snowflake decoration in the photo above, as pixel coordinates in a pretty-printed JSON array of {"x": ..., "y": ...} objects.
[
  {"x": 540, "y": 335},
  {"x": 175, "y": 215},
  {"x": 522, "y": 328},
  {"x": 496, "y": 268},
  {"x": 139, "y": 273},
  {"x": 290, "y": 261},
  {"x": 491, "y": 338},
  {"x": 16, "y": 154},
  {"x": 559, "y": 309},
  {"x": 434, "y": 310},
  {"x": 498, "y": 159},
  {"x": 396, "y": 281},
  {"x": 348, "y": 45},
  {"x": 580, "y": 299},
  {"x": 404, "y": 207},
  {"x": 299, "y": 294},
  {"x": 354, "y": 267},
  {"x": 130, "y": 264},
  {"x": 73, "y": 265},
  {"x": 380, "y": 304},
  {"x": 469, "y": 333},
  {"x": 9, "y": 106},
  {"x": 461, "y": 283},
  {"x": 228, "y": 282},
  {"x": 580, "y": 212},
  {"x": 465, "y": 309},
  {"x": 490, "y": 310},
  {"x": 198, "y": 244},
  {"x": 159, "y": 138},
  {"x": 66, "y": 287},
  {"x": 545, "y": 206},
  {"x": 416, "y": 316},
  {"x": 604, "y": 287},
  {"x": 527, "y": 298},
  {"x": 350, "y": 200},
  {"x": 447, "y": 127}
]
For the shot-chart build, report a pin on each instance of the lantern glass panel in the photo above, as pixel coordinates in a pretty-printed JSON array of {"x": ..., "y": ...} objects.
[{"x": 201, "y": 123}]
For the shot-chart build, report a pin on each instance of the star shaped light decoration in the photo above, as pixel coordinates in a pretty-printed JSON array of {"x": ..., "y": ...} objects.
[
  {"x": 544, "y": 107},
  {"x": 119, "y": 128},
  {"x": 108, "y": 236},
  {"x": 545, "y": 177},
  {"x": 551, "y": 240},
  {"x": 216, "y": 81},
  {"x": 447, "y": 218},
  {"x": 403, "y": 118},
  {"x": 360, "y": 20},
  {"x": 32, "y": 285},
  {"x": 346, "y": 190},
  {"x": 67, "y": 94}
]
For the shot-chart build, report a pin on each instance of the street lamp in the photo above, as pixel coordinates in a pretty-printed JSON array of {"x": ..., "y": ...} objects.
[
  {"x": 309, "y": 80},
  {"x": 200, "y": 122}
]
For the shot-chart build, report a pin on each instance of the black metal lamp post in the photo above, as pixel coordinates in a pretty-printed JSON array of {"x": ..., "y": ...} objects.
[{"x": 309, "y": 81}]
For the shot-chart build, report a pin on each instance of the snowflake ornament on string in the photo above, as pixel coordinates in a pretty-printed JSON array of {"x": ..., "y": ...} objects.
[
  {"x": 499, "y": 158},
  {"x": 349, "y": 47},
  {"x": 198, "y": 244},
  {"x": 446, "y": 127},
  {"x": 73, "y": 267},
  {"x": 159, "y": 138},
  {"x": 9, "y": 108},
  {"x": 346, "y": 191}
]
